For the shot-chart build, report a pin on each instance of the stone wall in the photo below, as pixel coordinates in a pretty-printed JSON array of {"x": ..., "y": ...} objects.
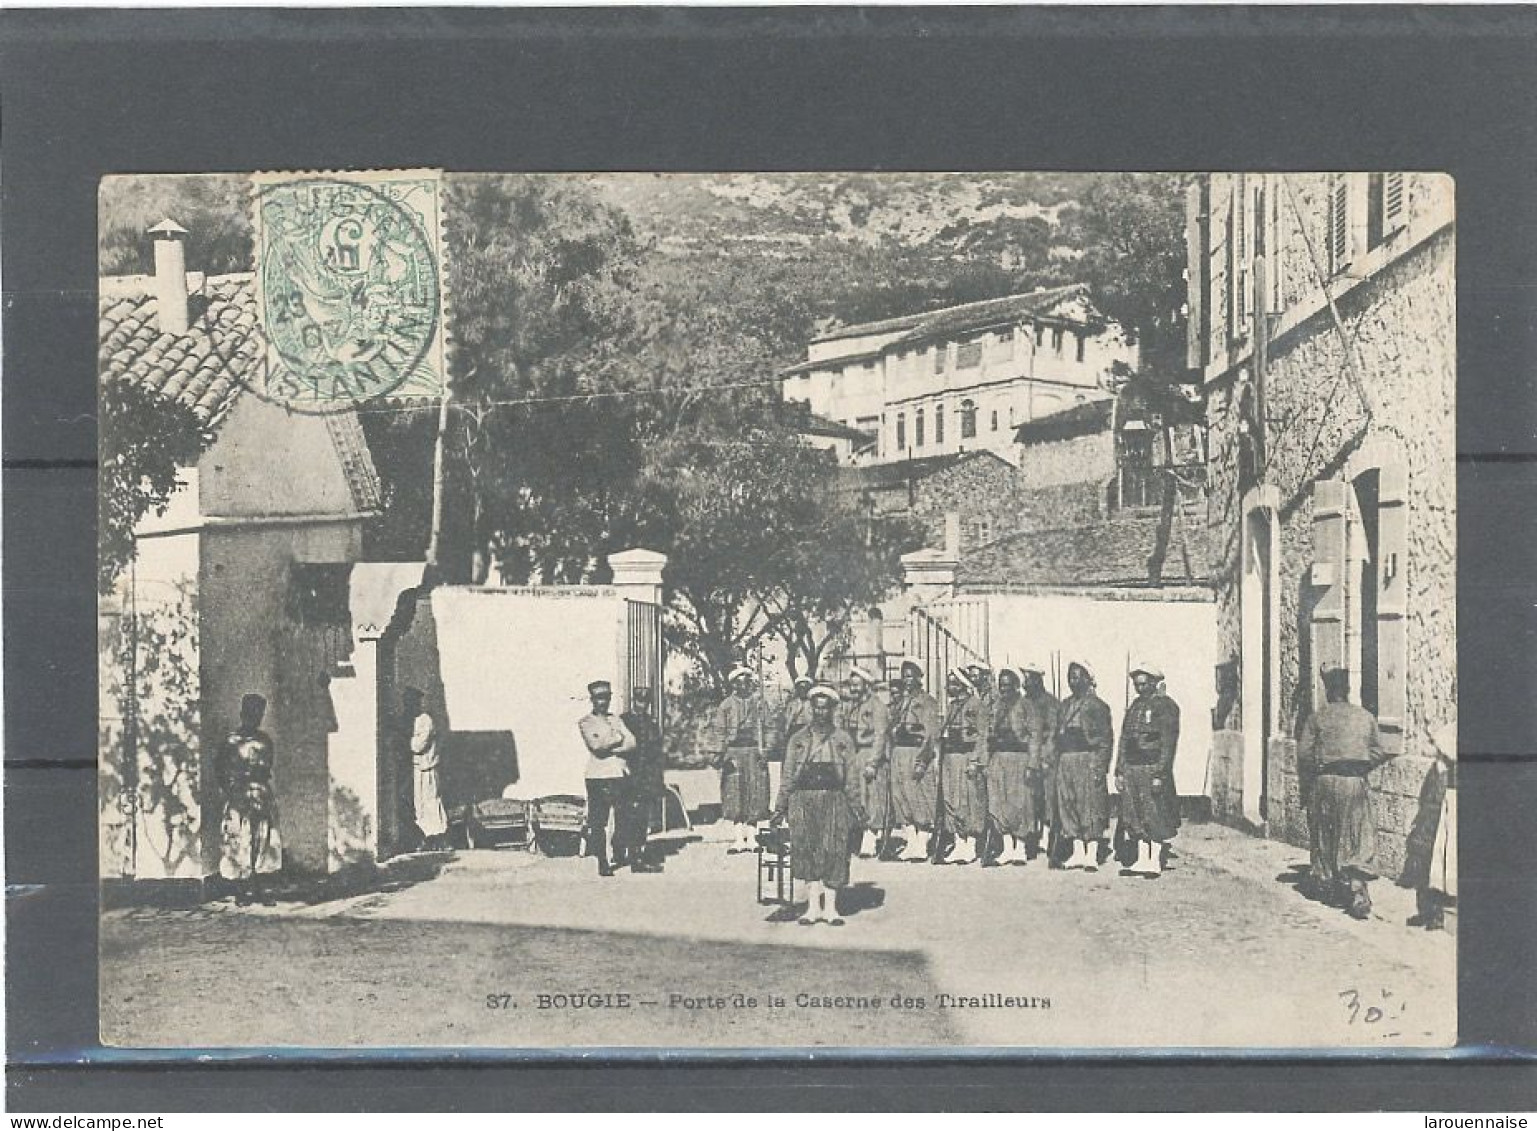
[{"x": 1328, "y": 419}]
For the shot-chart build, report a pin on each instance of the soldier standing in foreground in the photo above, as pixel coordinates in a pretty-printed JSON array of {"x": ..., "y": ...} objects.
[
  {"x": 743, "y": 739},
  {"x": 1144, "y": 771},
  {"x": 865, "y": 718},
  {"x": 1010, "y": 803},
  {"x": 914, "y": 735},
  {"x": 647, "y": 782},
  {"x": 1085, "y": 745},
  {"x": 963, "y": 757},
  {"x": 1041, "y": 753}
]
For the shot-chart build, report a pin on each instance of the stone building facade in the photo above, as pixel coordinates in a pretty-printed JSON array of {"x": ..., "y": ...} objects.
[
  {"x": 1322, "y": 319},
  {"x": 961, "y": 379}
]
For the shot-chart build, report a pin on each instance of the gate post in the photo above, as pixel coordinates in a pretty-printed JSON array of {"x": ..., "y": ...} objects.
[{"x": 638, "y": 574}]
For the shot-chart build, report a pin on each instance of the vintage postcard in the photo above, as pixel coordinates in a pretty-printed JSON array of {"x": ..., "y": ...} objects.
[{"x": 943, "y": 611}]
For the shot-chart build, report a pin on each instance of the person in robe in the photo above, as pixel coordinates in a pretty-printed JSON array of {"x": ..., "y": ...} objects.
[
  {"x": 982, "y": 679},
  {"x": 820, "y": 798},
  {"x": 1085, "y": 747},
  {"x": 426, "y": 757},
  {"x": 1144, "y": 771},
  {"x": 865, "y": 717},
  {"x": 647, "y": 784},
  {"x": 608, "y": 743},
  {"x": 914, "y": 720},
  {"x": 797, "y": 711},
  {"x": 1339, "y": 747},
  {"x": 251, "y": 846},
  {"x": 1041, "y": 755},
  {"x": 1009, "y": 800},
  {"x": 744, "y": 735},
  {"x": 962, "y": 757}
]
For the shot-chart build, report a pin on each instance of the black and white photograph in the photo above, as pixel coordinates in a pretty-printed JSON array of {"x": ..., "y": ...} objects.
[{"x": 862, "y": 610}]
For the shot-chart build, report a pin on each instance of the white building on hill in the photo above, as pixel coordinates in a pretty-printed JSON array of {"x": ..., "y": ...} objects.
[{"x": 962, "y": 378}]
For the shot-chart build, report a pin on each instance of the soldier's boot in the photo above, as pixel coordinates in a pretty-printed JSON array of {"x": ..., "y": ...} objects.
[
  {"x": 1155, "y": 858},
  {"x": 1079, "y": 857},
  {"x": 1139, "y": 866},
  {"x": 914, "y": 843},
  {"x": 965, "y": 851},
  {"x": 867, "y": 844}
]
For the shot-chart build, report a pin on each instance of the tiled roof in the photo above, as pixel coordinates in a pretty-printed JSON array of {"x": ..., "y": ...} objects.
[
  {"x": 816, "y": 424},
  {"x": 1079, "y": 420},
  {"x": 202, "y": 368},
  {"x": 207, "y": 367},
  {"x": 1104, "y": 552},
  {"x": 954, "y": 319},
  {"x": 875, "y": 476}
]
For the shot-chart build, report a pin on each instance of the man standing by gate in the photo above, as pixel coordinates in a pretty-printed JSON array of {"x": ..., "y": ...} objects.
[
  {"x": 647, "y": 782},
  {"x": 608, "y": 741}
]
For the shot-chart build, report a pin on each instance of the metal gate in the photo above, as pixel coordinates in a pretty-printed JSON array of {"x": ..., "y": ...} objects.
[
  {"x": 644, "y": 657},
  {"x": 947, "y": 634}
]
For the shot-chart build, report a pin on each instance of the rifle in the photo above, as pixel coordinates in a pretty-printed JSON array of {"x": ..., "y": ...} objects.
[{"x": 940, "y": 824}]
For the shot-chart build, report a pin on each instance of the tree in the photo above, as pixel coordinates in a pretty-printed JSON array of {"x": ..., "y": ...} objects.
[
  {"x": 540, "y": 278},
  {"x": 145, "y": 441},
  {"x": 214, "y": 208},
  {"x": 766, "y": 548},
  {"x": 1132, "y": 228}
]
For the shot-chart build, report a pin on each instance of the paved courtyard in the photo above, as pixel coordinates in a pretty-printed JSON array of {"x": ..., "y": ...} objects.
[{"x": 500, "y": 948}]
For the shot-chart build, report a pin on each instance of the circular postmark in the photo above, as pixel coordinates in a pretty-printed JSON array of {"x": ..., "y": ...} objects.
[{"x": 347, "y": 290}]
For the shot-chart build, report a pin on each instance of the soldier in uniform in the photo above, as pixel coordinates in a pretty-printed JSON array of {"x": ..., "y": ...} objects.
[
  {"x": 963, "y": 757},
  {"x": 1085, "y": 747},
  {"x": 914, "y": 733},
  {"x": 648, "y": 768},
  {"x": 1041, "y": 752},
  {"x": 1144, "y": 771},
  {"x": 866, "y": 720},
  {"x": 820, "y": 798},
  {"x": 797, "y": 712},
  {"x": 250, "y": 846},
  {"x": 609, "y": 743},
  {"x": 1009, "y": 800},
  {"x": 744, "y": 737},
  {"x": 982, "y": 680},
  {"x": 1340, "y": 745}
]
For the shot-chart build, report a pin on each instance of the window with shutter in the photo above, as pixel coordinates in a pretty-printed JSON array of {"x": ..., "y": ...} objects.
[
  {"x": 939, "y": 361},
  {"x": 1328, "y": 580},
  {"x": 939, "y": 424},
  {"x": 901, "y": 431},
  {"x": 1393, "y": 203},
  {"x": 969, "y": 355},
  {"x": 1338, "y": 226},
  {"x": 918, "y": 429}
]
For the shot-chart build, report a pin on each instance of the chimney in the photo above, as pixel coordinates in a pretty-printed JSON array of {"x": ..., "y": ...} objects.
[
  {"x": 952, "y": 535},
  {"x": 171, "y": 276}
]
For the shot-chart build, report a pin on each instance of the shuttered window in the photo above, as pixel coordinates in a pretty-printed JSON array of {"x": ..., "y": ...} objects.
[
  {"x": 969, "y": 419},
  {"x": 939, "y": 361},
  {"x": 939, "y": 424},
  {"x": 1337, "y": 229},
  {"x": 969, "y": 355},
  {"x": 901, "y": 431},
  {"x": 1393, "y": 201},
  {"x": 918, "y": 429}
]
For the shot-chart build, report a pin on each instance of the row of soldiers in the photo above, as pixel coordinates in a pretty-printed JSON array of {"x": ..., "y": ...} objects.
[{"x": 1002, "y": 774}]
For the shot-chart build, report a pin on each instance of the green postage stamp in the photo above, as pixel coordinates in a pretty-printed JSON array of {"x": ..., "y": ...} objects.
[{"x": 349, "y": 286}]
